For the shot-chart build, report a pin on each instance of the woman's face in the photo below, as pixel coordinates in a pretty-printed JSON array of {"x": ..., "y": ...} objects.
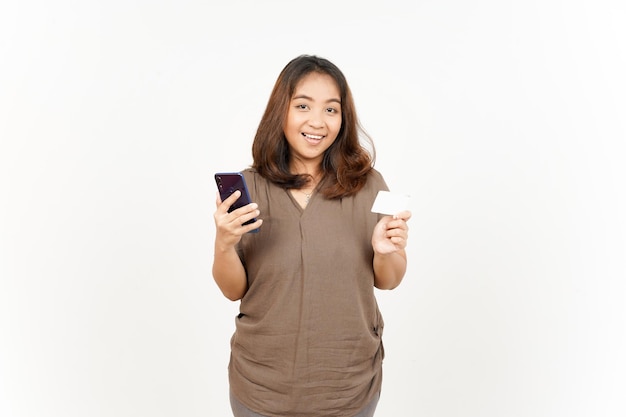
[{"x": 313, "y": 119}]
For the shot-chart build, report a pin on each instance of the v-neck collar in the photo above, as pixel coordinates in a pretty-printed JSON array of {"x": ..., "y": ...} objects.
[{"x": 295, "y": 202}]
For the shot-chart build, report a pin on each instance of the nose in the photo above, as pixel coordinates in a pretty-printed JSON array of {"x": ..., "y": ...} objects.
[{"x": 316, "y": 120}]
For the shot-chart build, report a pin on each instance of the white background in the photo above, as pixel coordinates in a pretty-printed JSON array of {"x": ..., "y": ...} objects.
[{"x": 505, "y": 120}]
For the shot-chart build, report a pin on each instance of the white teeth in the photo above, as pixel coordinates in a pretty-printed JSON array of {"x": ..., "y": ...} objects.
[{"x": 312, "y": 136}]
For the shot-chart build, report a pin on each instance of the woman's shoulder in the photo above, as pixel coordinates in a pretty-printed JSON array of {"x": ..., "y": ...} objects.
[
  {"x": 375, "y": 180},
  {"x": 250, "y": 174},
  {"x": 255, "y": 181}
]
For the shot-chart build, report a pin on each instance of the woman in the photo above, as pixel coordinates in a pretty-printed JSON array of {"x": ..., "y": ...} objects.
[{"x": 308, "y": 336}]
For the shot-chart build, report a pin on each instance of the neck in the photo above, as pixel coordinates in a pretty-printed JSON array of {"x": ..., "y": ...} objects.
[{"x": 312, "y": 168}]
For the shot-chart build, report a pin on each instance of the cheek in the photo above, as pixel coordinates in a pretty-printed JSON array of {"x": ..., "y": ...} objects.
[
  {"x": 293, "y": 121},
  {"x": 335, "y": 125}
]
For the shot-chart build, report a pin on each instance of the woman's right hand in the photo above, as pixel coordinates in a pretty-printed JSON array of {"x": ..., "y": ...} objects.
[
  {"x": 228, "y": 271},
  {"x": 229, "y": 226}
]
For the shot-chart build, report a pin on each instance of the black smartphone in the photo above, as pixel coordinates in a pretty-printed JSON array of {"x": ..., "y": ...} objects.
[{"x": 228, "y": 183}]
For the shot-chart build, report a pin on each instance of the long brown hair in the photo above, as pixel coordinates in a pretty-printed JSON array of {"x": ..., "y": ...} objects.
[{"x": 346, "y": 162}]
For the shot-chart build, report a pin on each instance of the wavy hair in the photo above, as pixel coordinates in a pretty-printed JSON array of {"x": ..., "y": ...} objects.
[{"x": 345, "y": 163}]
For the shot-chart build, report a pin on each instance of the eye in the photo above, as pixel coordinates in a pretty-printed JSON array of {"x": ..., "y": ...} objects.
[
  {"x": 302, "y": 106},
  {"x": 332, "y": 110}
]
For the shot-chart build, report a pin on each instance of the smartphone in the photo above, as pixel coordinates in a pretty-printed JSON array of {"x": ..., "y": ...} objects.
[{"x": 228, "y": 183}]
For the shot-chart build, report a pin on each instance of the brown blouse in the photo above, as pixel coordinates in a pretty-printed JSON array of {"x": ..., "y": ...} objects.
[{"x": 308, "y": 336}]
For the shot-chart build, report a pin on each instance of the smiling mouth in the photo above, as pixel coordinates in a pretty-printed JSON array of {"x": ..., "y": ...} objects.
[{"x": 313, "y": 137}]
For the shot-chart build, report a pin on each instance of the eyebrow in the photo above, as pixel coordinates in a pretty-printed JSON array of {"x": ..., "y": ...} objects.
[{"x": 332, "y": 100}]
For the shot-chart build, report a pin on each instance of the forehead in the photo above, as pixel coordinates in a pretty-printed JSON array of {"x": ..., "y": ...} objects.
[{"x": 317, "y": 85}]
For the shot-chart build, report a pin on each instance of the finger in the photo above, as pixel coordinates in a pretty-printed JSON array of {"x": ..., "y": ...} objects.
[
  {"x": 398, "y": 241},
  {"x": 396, "y": 233},
  {"x": 230, "y": 200},
  {"x": 398, "y": 224},
  {"x": 250, "y": 214},
  {"x": 249, "y": 227},
  {"x": 233, "y": 197},
  {"x": 249, "y": 209},
  {"x": 404, "y": 215}
]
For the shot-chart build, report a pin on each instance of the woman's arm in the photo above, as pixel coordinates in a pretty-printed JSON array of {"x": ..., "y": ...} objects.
[
  {"x": 228, "y": 271},
  {"x": 389, "y": 242},
  {"x": 389, "y": 270}
]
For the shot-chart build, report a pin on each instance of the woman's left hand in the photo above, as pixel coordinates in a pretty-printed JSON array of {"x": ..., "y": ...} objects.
[{"x": 391, "y": 233}]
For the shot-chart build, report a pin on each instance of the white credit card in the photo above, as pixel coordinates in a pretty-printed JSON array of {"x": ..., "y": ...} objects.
[{"x": 391, "y": 203}]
